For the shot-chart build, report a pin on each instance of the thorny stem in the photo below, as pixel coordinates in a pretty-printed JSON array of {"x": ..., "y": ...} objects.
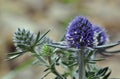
[
  {"x": 81, "y": 63},
  {"x": 49, "y": 60},
  {"x": 45, "y": 75},
  {"x": 39, "y": 57},
  {"x": 53, "y": 69},
  {"x": 56, "y": 73}
]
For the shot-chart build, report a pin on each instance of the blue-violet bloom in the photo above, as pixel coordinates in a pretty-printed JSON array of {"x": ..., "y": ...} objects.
[
  {"x": 100, "y": 35},
  {"x": 80, "y": 33}
]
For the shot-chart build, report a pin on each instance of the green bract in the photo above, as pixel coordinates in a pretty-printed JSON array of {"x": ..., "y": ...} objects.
[{"x": 47, "y": 50}]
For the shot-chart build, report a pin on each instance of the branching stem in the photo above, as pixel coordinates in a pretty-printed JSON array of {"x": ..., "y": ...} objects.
[{"x": 53, "y": 69}]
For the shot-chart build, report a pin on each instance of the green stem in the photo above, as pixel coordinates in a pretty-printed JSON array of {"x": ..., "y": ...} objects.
[
  {"x": 41, "y": 59},
  {"x": 56, "y": 73},
  {"x": 81, "y": 64},
  {"x": 53, "y": 69},
  {"x": 49, "y": 60},
  {"x": 45, "y": 75}
]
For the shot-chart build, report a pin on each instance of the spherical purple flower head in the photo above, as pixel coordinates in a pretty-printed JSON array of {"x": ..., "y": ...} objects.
[
  {"x": 80, "y": 33},
  {"x": 100, "y": 35}
]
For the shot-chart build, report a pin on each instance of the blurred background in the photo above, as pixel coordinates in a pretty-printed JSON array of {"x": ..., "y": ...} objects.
[{"x": 41, "y": 15}]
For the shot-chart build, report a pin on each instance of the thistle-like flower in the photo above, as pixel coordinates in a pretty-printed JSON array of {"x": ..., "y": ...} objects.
[
  {"x": 100, "y": 35},
  {"x": 80, "y": 33},
  {"x": 23, "y": 39},
  {"x": 26, "y": 41}
]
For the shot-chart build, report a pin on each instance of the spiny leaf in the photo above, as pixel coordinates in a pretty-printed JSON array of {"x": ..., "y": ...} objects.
[
  {"x": 14, "y": 56},
  {"x": 41, "y": 59},
  {"x": 116, "y": 51},
  {"x": 91, "y": 62},
  {"x": 108, "y": 46},
  {"x": 98, "y": 59},
  {"x": 35, "y": 62},
  {"x": 90, "y": 54},
  {"x": 57, "y": 59},
  {"x": 64, "y": 47},
  {"x": 45, "y": 75},
  {"x": 13, "y": 53},
  {"x": 102, "y": 72},
  {"x": 107, "y": 75},
  {"x": 46, "y": 69},
  {"x": 37, "y": 38},
  {"x": 44, "y": 35}
]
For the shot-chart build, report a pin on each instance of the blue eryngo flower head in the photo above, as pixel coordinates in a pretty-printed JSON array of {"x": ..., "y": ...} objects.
[
  {"x": 26, "y": 40},
  {"x": 100, "y": 35},
  {"x": 23, "y": 39},
  {"x": 80, "y": 33}
]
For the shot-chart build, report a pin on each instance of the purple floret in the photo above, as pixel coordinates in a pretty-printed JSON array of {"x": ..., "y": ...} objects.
[
  {"x": 100, "y": 35},
  {"x": 80, "y": 33}
]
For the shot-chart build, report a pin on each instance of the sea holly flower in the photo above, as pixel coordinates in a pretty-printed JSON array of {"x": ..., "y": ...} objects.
[
  {"x": 100, "y": 35},
  {"x": 80, "y": 33},
  {"x": 26, "y": 41},
  {"x": 23, "y": 39}
]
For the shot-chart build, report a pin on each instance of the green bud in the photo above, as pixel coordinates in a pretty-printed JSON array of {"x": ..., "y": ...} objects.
[{"x": 47, "y": 50}]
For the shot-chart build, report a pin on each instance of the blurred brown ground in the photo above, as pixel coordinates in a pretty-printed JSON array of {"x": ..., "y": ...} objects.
[{"x": 42, "y": 15}]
